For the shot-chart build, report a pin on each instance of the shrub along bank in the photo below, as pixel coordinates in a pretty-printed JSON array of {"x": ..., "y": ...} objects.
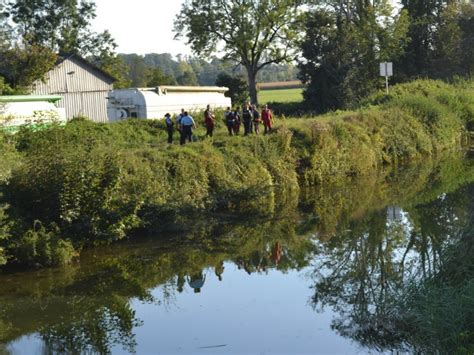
[{"x": 86, "y": 183}]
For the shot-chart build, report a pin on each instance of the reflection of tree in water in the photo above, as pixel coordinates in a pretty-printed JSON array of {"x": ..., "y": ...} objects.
[
  {"x": 361, "y": 263},
  {"x": 87, "y": 308},
  {"x": 362, "y": 273},
  {"x": 94, "y": 330},
  {"x": 355, "y": 275}
]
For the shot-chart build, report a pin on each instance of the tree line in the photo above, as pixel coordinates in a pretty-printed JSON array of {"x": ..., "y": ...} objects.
[
  {"x": 155, "y": 69},
  {"x": 336, "y": 44}
]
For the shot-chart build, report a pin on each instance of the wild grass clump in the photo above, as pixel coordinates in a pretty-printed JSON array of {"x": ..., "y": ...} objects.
[{"x": 417, "y": 119}]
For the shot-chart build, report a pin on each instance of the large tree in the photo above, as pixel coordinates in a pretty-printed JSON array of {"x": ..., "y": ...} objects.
[
  {"x": 5, "y": 29},
  {"x": 441, "y": 38},
  {"x": 424, "y": 15},
  {"x": 452, "y": 53},
  {"x": 21, "y": 66},
  {"x": 60, "y": 26},
  {"x": 253, "y": 33},
  {"x": 342, "y": 48}
]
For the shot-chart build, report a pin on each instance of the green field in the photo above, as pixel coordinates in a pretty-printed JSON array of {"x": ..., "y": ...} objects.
[{"x": 280, "y": 95}]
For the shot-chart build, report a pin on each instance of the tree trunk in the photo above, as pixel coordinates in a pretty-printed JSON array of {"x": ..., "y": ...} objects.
[{"x": 252, "y": 85}]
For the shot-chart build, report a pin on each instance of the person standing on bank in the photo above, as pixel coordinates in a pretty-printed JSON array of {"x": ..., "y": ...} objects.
[
  {"x": 237, "y": 121},
  {"x": 169, "y": 127},
  {"x": 267, "y": 118},
  {"x": 187, "y": 125},
  {"x": 178, "y": 120},
  {"x": 229, "y": 121},
  {"x": 256, "y": 119},
  {"x": 247, "y": 118},
  {"x": 210, "y": 121}
]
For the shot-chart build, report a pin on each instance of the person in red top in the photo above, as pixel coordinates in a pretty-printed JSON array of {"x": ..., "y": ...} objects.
[
  {"x": 209, "y": 121},
  {"x": 267, "y": 118}
]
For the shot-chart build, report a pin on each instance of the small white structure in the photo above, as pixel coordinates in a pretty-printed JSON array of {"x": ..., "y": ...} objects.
[
  {"x": 16, "y": 111},
  {"x": 154, "y": 103}
]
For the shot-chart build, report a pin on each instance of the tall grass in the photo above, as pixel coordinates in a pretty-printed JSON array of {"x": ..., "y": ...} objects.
[{"x": 417, "y": 119}]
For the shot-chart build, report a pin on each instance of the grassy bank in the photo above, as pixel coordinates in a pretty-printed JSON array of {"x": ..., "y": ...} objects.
[{"x": 86, "y": 183}]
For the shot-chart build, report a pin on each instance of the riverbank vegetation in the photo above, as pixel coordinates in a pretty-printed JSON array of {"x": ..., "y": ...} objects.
[
  {"x": 93, "y": 300},
  {"x": 87, "y": 183}
]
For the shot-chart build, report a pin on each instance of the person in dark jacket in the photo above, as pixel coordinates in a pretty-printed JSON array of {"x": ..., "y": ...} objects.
[
  {"x": 229, "y": 121},
  {"x": 247, "y": 118},
  {"x": 256, "y": 119},
  {"x": 209, "y": 121},
  {"x": 178, "y": 120},
  {"x": 169, "y": 127},
  {"x": 237, "y": 121}
]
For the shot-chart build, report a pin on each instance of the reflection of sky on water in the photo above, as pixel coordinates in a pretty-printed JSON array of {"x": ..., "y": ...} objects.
[
  {"x": 261, "y": 313},
  {"x": 245, "y": 314},
  {"x": 28, "y": 344}
]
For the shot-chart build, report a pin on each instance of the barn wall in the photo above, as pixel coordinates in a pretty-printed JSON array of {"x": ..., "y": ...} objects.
[
  {"x": 84, "y": 90},
  {"x": 89, "y": 104}
]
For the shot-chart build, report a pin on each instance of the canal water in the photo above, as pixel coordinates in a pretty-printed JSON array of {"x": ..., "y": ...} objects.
[{"x": 321, "y": 274}]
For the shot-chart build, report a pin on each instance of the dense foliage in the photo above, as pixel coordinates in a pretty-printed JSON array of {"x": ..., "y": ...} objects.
[
  {"x": 88, "y": 183},
  {"x": 33, "y": 33},
  {"x": 238, "y": 91},
  {"x": 141, "y": 70},
  {"x": 345, "y": 42}
]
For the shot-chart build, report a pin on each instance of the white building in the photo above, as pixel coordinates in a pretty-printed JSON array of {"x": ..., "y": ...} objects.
[
  {"x": 83, "y": 87},
  {"x": 16, "y": 111},
  {"x": 153, "y": 103}
]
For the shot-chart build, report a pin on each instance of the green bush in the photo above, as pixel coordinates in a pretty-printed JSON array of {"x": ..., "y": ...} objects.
[{"x": 39, "y": 247}]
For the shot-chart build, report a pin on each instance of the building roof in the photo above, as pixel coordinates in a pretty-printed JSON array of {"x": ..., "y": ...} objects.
[
  {"x": 30, "y": 98},
  {"x": 163, "y": 89},
  {"x": 72, "y": 56}
]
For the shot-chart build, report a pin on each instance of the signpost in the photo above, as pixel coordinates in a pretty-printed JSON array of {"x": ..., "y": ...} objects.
[{"x": 386, "y": 70}]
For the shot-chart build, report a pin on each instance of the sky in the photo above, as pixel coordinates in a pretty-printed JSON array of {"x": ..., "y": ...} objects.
[{"x": 140, "y": 26}]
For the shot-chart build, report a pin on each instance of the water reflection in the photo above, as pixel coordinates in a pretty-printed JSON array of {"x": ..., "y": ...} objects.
[
  {"x": 363, "y": 272},
  {"x": 361, "y": 241}
]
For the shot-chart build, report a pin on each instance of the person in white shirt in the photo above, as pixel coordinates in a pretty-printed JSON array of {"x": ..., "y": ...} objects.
[{"x": 187, "y": 125}]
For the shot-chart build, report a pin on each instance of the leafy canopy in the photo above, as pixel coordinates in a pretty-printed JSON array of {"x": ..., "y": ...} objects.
[
  {"x": 42, "y": 27},
  {"x": 253, "y": 33}
]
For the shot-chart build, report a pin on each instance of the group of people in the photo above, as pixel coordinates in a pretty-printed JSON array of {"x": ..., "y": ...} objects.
[
  {"x": 184, "y": 124},
  {"x": 251, "y": 118}
]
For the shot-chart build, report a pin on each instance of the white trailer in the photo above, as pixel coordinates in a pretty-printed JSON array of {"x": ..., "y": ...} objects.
[
  {"x": 154, "y": 103},
  {"x": 36, "y": 110}
]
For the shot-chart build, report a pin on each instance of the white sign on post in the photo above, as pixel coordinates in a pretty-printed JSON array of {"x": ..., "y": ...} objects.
[{"x": 386, "y": 70}]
